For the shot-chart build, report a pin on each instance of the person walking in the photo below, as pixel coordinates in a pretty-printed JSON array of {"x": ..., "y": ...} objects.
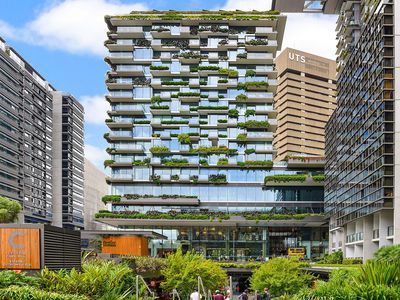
[
  {"x": 195, "y": 295},
  {"x": 244, "y": 295},
  {"x": 266, "y": 295},
  {"x": 218, "y": 295},
  {"x": 228, "y": 295}
]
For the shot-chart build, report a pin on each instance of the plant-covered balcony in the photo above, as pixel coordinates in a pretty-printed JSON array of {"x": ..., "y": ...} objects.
[
  {"x": 214, "y": 150},
  {"x": 175, "y": 162},
  {"x": 108, "y": 162},
  {"x": 249, "y": 85},
  {"x": 128, "y": 197},
  {"x": 254, "y": 124},
  {"x": 256, "y": 163},
  {"x": 159, "y": 150}
]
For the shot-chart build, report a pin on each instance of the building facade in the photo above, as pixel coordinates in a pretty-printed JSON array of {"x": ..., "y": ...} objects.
[
  {"x": 95, "y": 188},
  {"x": 305, "y": 100},
  {"x": 68, "y": 161},
  {"x": 190, "y": 141},
  {"x": 25, "y": 136},
  {"x": 41, "y": 145},
  {"x": 361, "y": 190}
]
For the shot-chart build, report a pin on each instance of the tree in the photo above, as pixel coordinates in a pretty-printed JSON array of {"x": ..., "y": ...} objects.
[
  {"x": 182, "y": 271},
  {"x": 280, "y": 276},
  {"x": 9, "y": 210}
]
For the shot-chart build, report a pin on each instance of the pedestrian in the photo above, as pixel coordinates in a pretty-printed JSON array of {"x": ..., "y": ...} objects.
[
  {"x": 195, "y": 295},
  {"x": 218, "y": 295},
  {"x": 266, "y": 295},
  {"x": 228, "y": 295},
  {"x": 244, "y": 295}
]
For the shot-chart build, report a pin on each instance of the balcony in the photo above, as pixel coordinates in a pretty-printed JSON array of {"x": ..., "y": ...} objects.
[
  {"x": 260, "y": 136},
  {"x": 115, "y": 96},
  {"x": 306, "y": 162},
  {"x": 127, "y": 110},
  {"x": 119, "y": 149},
  {"x": 256, "y": 58},
  {"x": 130, "y": 32},
  {"x": 260, "y": 97},
  {"x": 129, "y": 70},
  {"x": 355, "y": 238},
  {"x": 119, "y": 57}
]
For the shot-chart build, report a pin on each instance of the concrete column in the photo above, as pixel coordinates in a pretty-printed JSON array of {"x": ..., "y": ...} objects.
[
  {"x": 369, "y": 246},
  {"x": 385, "y": 220}
]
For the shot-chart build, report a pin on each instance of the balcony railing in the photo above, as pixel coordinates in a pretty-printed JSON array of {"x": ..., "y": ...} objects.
[
  {"x": 390, "y": 231},
  {"x": 375, "y": 234}
]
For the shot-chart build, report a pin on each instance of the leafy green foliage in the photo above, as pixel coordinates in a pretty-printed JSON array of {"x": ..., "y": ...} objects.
[
  {"x": 9, "y": 210},
  {"x": 249, "y": 151},
  {"x": 333, "y": 258},
  {"x": 388, "y": 253},
  {"x": 281, "y": 275},
  {"x": 253, "y": 124},
  {"x": 175, "y": 162},
  {"x": 159, "y": 149},
  {"x": 229, "y": 72},
  {"x": 250, "y": 73},
  {"x": 111, "y": 198},
  {"x": 184, "y": 138},
  {"x": 97, "y": 278},
  {"x": 8, "y": 277},
  {"x": 108, "y": 162},
  {"x": 252, "y": 84},
  {"x": 143, "y": 264},
  {"x": 241, "y": 97},
  {"x": 183, "y": 270},
  {"x": 159, "y": 68},
  {"x": 285, "y": 178},
  {"x": 233, "y": 113},
  {"x": 32, "y": 293}
]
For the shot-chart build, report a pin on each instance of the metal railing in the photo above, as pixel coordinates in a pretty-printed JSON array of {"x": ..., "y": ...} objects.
[{"x": 138, "y": 279}]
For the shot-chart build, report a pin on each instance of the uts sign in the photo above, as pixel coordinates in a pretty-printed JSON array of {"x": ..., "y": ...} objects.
[
  {"x": 297, "y": 57},
  {"x": 19, "y": 248}
]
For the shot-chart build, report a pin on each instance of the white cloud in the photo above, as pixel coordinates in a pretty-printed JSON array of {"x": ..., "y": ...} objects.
[
  {"x": 75, "y": 26},
  {"x": 95, "y": 109},
  {"x": 247, "y": 5},
  {"x": 314, "y": 33},
  {"x": 96, "y": 155}
]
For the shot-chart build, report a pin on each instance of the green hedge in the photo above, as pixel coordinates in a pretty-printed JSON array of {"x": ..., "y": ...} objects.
[
  {"x": 111, "y": 198},
  {"x": 159, "y": 107},
  {"x": 159, "y": 68},
  {"x": 249, "y": 163},
  {"x": 175, "y": 162},
  {"x": 253, "y": 124},
  {"x": 159, "y": 149},
  {"x": 33, "y": 293},
  {"x": 214, "y": 150},
  {"x": 285, "y": 178},
  {"x": 174, "y": 82},
  {"x": 252, "y": 84}
]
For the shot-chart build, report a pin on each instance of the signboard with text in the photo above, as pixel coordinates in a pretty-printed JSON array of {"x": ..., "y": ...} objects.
[{"x": 20, "y": 248}]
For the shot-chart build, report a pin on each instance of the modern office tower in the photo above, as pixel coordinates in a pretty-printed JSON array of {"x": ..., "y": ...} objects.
[
  {"x": 305, "y": 99},
  {"x": 362, "y": 189},
  {"x": 190, "y": 140},
  {"x": 68, "y": 161},
  {"x": 95, "y": 188},
  {"x": 361, "y": 135},
  {"x": 25, "y": 136}
]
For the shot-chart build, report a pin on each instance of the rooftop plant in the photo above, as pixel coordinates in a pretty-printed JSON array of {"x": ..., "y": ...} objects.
[
  {"x": 159, "y": 149},
  {"x": 241, "y": 97},
  {"x": 252, "y": 84},
  {"x": 159, "y": 68},
  {"x": 108, "y": 162},
  {"x": 286, "y": 178},
  {"x": 253, "y": 124}
]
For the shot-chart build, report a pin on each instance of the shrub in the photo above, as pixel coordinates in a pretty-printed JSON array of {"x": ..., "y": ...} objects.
[
  {"x": 250, "y": 73},
  {"x": 108, "y": 162},
  {"x": 222, "y": 162},
  {"x": 333, "y": 258},
  {"x": 218, "y": 178},
  {"x": 223, "y": 81},
  {"x": 175, "y": 82},
  {"x": 241, "y": 55},
  {"x": 155, "y": 99},
  {"x": 174, "y": 162},
  {"x": 252, "y": 84},
  {"x": 159, "y": 107},
  {"x": 318, "y": 178},
  {"x": 241, "y": 97},
  {"x": 213, "y": 107},
  {"x": 141, "y": 122},
  {"x": 388, "y": 253},
  {"x": 184, "y": 138},
  {"x": 222, "y": 121},
  {"x": 170, "y": 122},
  {"x": 111, "y": 198},
  {"x": 182, "y": 273},
  {"x": 32, "y": 293},
  {"x": 159, "y": 149},
  {"x": 97, "y": 278},
  {"x": 242, "y": 137},
  {"x": 142, "y": 264},
  {"x": 257, "y": 42},
  {"x": 229, "y": 72},
  {"x": 8, "y": 277},
  {"x": 249, "y": 151},
  {"x": 352, "y": 261},
  {"x": 286, "y": 178},
  {"x": 159, "y": 68},
  {"x": 253, "y": 124},
  {"x": 250, "y": 112},
  {"x": 280, "y": 275},
  {"x": 9, "y": 210},
  {"x": 233, "y": 113}
]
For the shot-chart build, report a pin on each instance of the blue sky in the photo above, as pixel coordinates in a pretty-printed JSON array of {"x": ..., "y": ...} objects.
[{"x": 62, "y": 40}]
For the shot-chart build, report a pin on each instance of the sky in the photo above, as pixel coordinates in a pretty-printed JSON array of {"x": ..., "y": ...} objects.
[{"x": 63, "y": 41}]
